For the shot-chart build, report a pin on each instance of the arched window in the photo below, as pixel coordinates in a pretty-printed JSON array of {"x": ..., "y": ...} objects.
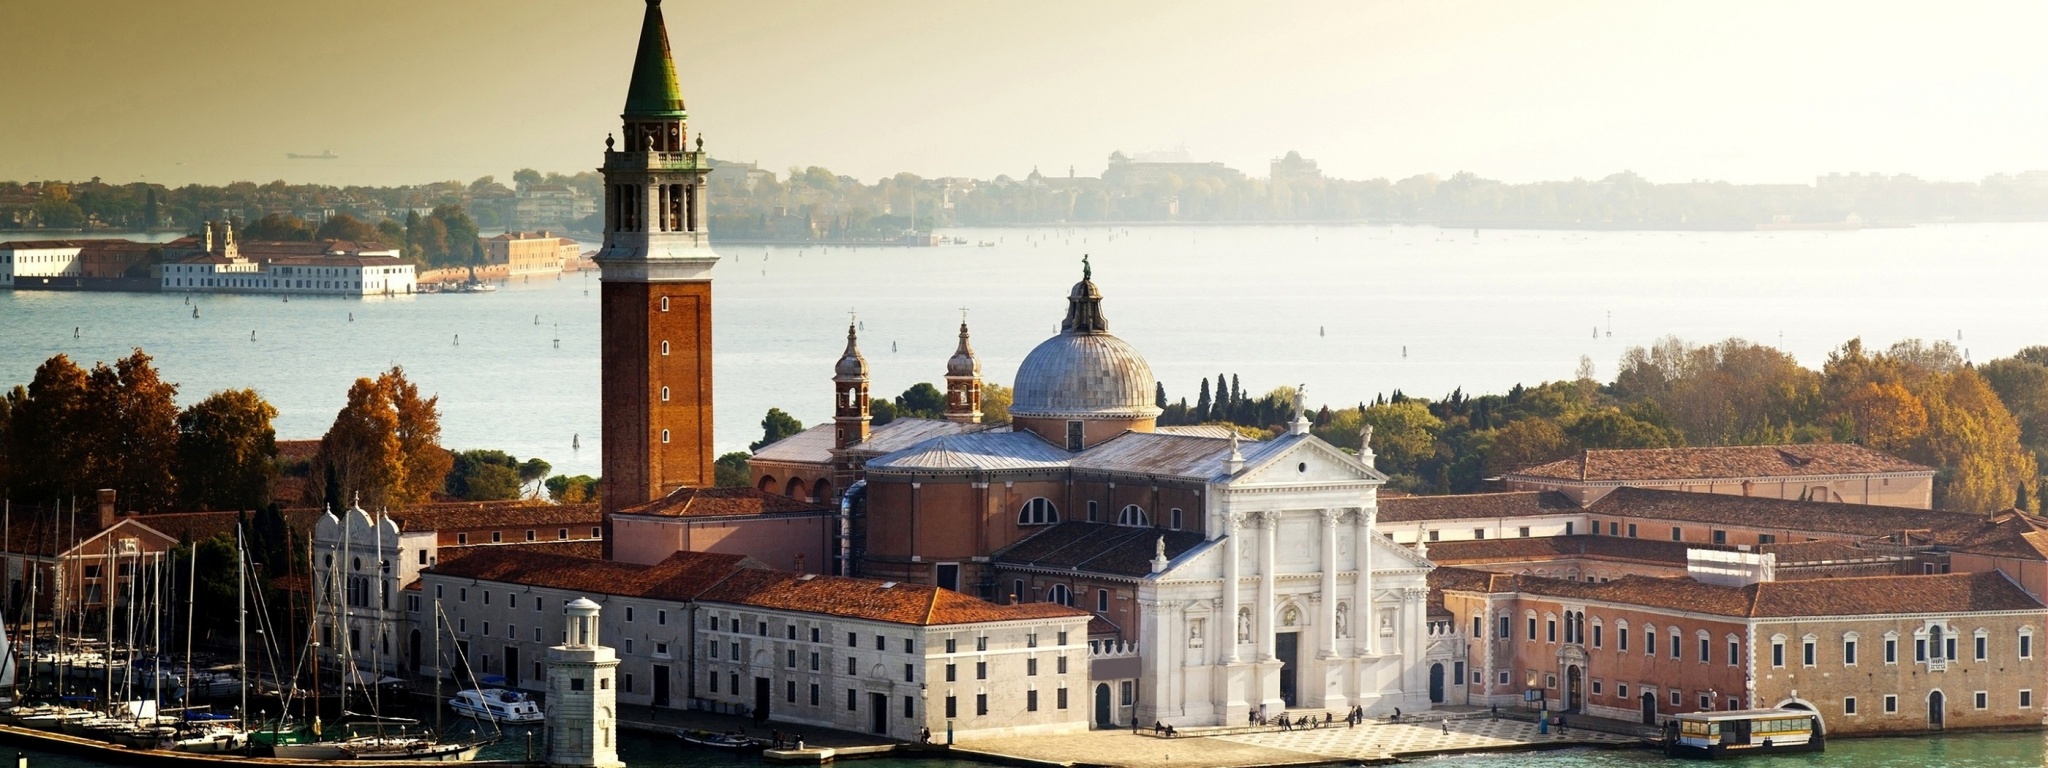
[
  {"x": 794, "y": 489},
  {"x": 664, "y": 349},
  {"x": 1133, "y": 516},
  {"x": 664, "y": 394},
  {"x": 767, "y": 483},
  {"x": 664, "y": 303},
  {"x": 1060, "y": 594},
  {"x": 1038, "y": 511}
]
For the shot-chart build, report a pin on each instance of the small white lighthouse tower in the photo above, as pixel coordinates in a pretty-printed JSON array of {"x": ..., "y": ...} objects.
[{"x": 582, "y": 705}]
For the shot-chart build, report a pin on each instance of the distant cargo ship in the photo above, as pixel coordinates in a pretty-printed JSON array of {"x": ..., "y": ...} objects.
[{"x": 324, "y": 155}]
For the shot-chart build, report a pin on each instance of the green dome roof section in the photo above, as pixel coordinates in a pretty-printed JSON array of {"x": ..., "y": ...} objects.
[{"x": 654, "y": 91}]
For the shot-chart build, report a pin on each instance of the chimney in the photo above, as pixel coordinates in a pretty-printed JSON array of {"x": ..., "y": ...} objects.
[
  {"x": 106, "y": 498},
  {"x": 1012, "y": 600}
]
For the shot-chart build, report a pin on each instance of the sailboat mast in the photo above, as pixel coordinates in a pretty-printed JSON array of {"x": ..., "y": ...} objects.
[
  {"x": 242, "y": 621},
  {"x": 107, "y": 617},
  {"x": 191, "y": 591}
]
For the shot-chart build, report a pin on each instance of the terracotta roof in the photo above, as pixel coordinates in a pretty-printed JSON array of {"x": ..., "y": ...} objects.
[
  {"x": 200, "y": 526},
  {"x": 1738, "y": 461},
  {"x": 2006, "y": 534},
  {"x": 26, "y": 245},
  {"x": 1940, "y": 593},
  {"x": 588, "y": 549},
  {"x": 35, "y": 532},
  {"x": 680, "y": 576},
  {"x": 453, "y": 516},
  {"x": 893, "y": 602},
  {"x": 297, "y": 450},
  {"x": 726, "y": 502},
  {"x": 1854, "y": 596},
  {"x": 1553, "y": 547},
  {"x": 1405, "y": 509},
  {"x": 1096, "y": 548},
  {"x": 1817, "y": 518},
  {"x": 1810, "y": 553}
]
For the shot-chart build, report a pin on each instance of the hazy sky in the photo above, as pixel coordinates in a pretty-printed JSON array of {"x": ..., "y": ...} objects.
[{"x": 219, "y": 90}]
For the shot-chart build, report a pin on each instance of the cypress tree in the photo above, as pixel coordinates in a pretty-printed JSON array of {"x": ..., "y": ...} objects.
[
  {"x": 1159, "y": 394},
  {"x": 1202, "y": 404}
]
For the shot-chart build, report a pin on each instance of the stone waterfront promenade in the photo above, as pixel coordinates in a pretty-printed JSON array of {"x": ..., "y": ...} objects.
[{"x": 1378, "y": 741}]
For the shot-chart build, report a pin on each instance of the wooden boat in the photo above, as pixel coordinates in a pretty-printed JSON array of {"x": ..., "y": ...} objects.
[{"x": 730, "y": 740}]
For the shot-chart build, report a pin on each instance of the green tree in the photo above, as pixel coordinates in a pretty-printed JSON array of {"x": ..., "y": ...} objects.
[
  {"x": 921, "y": 401},
  {"x": 484, "y": 475},
  {"x": 59, "y": 214},
  {"x": 532, "y": 472},
  {"x": 882, "y": 411},
  {"x": 227, "y": 451},
  {"x": 1526, "y": 443},
  {"x": 731, "y": 470},
  {"x": 581, "y": 489},
  {"x": 277, "y": 227},
  {"x": 775, "y": 426},
  {"x": 1610, "y": 428},
  {"x": 526, "y": 177},
  {"x": 995, "y": 403},
  {"x": 346, "y": 227},
  {"x": 1404, "y": 433}
]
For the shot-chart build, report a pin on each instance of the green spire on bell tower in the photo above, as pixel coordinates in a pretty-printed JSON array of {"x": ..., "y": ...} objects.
[{"x": 654, "y": 92}]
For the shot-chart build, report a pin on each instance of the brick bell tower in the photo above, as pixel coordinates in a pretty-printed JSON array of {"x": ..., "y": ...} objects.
[{"x": 656, "y": 266}]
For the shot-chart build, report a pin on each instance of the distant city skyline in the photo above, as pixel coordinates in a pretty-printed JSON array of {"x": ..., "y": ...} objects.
[{"x": 213, "y": 91}]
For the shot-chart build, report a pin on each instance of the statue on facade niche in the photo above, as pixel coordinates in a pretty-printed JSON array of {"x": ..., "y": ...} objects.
[
  {"x": 1195, "y": 633},
  {"x": 1244, "y": 625},
  {"x": 1343, "y": 619},
  {"x": 1386, "y": 624}
]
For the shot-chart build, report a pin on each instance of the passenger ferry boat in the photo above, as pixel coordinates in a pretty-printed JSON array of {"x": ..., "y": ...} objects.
[{"x": 1714, "y": 735}]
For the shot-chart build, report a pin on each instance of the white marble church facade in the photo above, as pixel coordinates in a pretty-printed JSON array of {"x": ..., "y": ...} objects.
[{"x": 1295, "y": 601}]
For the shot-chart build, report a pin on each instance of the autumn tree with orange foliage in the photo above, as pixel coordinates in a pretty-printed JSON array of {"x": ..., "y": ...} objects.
[{"x": 384, "y": 448}]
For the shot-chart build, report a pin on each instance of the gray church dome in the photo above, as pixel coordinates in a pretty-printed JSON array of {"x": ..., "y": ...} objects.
[{"x": 1084, "y": 372}]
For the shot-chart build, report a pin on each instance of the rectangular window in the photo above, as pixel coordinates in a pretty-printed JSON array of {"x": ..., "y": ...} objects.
[
  {"x": 852, "y": 700},
  {"x": 1479, "y": 533},
  {"x": 852, "y": 640},
  {"x": 1849, "y": 652},
  {"x": 1705, "y": 650},
  {"x": 1596, "y": 687},
  {"x": 1806, "y": 653},
  {"x": 981, "y": 643},
  {"x": 1434, "y": 535},
  {"x": 1532, "y": 628},
  {"x": 1677, "y": 699},
  {"x": 1849, "y": 705},
  {"x": 1031, "y": 701},
  {"x": 1621, "y": 638},
  {"x": 1631, "y": 530},
  {"x": 1550, "y": 630},
  {"x": 1030, "y": 667},
  {"x": 1599, "y": 633},
  {"x": 852, "y": 666},
  {"x": 1983, "y": 700},
  {"x": 951, "y": 671},
  {"x": 952, "y": 645},
  {"x": 952, "y": 707},
  {"x": 790, "y": 691},
  {"x": 1102, "y": 601},
  {"x": 1504, "y": 628},
  {"x": 1031, "y": 639},
  {"x": 1621, "y": 690},
  {"x": 1720, "y": 537},
  {"x": 790, "y": 655},
  {"x": 1891, "y": 704},
  {"x": 881, "y": 643},
  {"x": 910, "y": 673},
  {"x": 815, "y": 635},
  {"x": 1503, "y": 677},
  {"x": 814, "y": 695},
  {"x": 1522, "y": 531},
  {"x": 1678, "y": 534},
  {"x": 1061, "y": 665},
  {"x": 1613, "y": 529},
  {"x": 1061, "y": 639},
  {"x": 1766, "y": 538},
  {"x": 1649, "y": 642},
  {"x": 1734, "y": 652},
  {"x": 1920, "y": 649},
  {"x": 1948, "y": 650},
  {"x": 981, "y": 704},
  {"x": 1568, "y": 526},
  {"x": 1062, "y": 696},
  {"x": 981, "y": 670},
  {"x": 789, "y": 631},
  {"x": 1891, "y": 650},
  {"x": 1982, "y": 646},
  {"x": 2026, "y": 646},
  {"x": 2026, "y": 699}
]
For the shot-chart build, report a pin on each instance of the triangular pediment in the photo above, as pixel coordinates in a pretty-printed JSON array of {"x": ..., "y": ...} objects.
[{"x": 1299, "y": 459}]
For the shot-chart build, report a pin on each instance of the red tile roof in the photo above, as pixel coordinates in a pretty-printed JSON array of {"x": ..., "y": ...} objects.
[
  {"x": 1408, "y": 509},
  {"x": 726, "y": 502},
  {"x": 467, "y": 515},
  {"x": 1817, "y": 518},
  {"x": 529, "y": 566},
  {"x": 1854, "y": 596},
  {"x": 1656, "y": 551},
  {"x": 893, "y": 602},
  {"x": 1726, "y": 462}
]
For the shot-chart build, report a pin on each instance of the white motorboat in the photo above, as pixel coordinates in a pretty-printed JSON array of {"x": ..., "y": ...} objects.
[
  {"x": 213, "y": 740},
  {"x": 497, "y": 704}
]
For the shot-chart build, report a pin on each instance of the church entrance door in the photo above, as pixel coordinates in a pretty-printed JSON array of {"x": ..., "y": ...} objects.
[
  {"x": 1574, "y": 682},
  {"x": 1102, "y": 719},
  {"x": 1436, "y": 683},
  {"x": 1649, "y": 708},
  {"x": 1286, "y": 648}
]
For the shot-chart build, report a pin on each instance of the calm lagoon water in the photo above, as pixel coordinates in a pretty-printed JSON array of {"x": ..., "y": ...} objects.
[{"x": 1350, "y": 311}]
